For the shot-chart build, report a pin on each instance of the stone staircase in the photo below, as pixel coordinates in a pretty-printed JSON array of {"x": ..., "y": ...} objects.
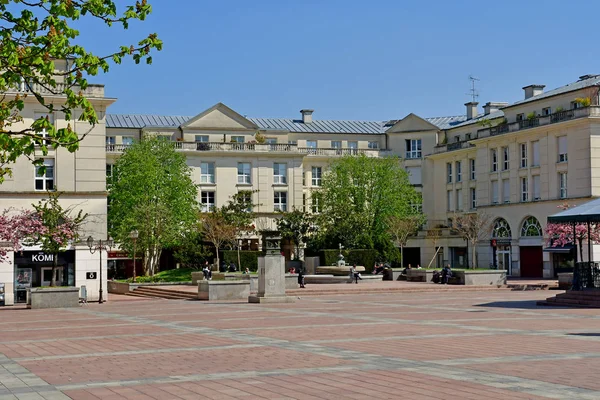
[
  {"x": 163, "y": 293},
  {"x": 581, "y": 299},
  {"x": 366, "y": 289}
]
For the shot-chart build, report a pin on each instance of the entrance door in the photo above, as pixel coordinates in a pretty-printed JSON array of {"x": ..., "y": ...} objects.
[
  {"x": 503, "y": 258},
  {"x": 532, "y": 262},
  {"x": 47, "y": 276}
]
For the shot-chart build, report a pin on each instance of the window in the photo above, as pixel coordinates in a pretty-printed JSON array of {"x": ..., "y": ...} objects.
[
  {"x": 304, "y": 202},
  {"x": 109, "y": 170},
  {"x": 524, "y": 189},
  {"x": 575, "y": 105},
  {"x": 413, "y": 148},
  {"x": 501, "y": 229},
  {"x": 536, "y": 188},
  {"x": 279, "y": 173},
  {"x": 237, "y": 139},
  {"x": 546, "y": 111},
  {"x": 127, "y": 140},
  {"x": 293, "y": 142},
  {"x": 207, "y": 201},
  {"x": 201, "y": 139},
  {"x": 246, "y": 198},
  {"x": 494, "y": 158},
  {"x": 244, "y": 173},
  {"x": 506, "y": 190},
  {"x": 417, "y": 208},
  {"x": 459, "y": 202},
  {"x": 414, "y": 175},
  {"x": 207, "y": 172},
  {"x": 520, "y": 117},
  {"x": 449, "y": 172},
  {"x": 523, "y": 147},
  {"x": 473, "y": 198},
  {"x": 315, "y": 203},
  {"x": 449, "y": 200},
  {"x": 336, "y": 144},
  {"x": 531, "y": 227},
  {"x": 505, "y": 159},
  {"x": 353, "y": 146},
  {"x": 43, "y": 133},
  {"x": 271, "y": 141},
  {"x": 316, "y": 176},
  {"x": 311, "y": 144},
  {"x": 562, "y": 184},
  {"x": 45, "y": 181},
  {"x": 110, "y": 140},
  {"x": 280, "y": 201},
  {"x": 562, "y": 148},
  {"x": 472, "y": 168},
  {"x": 373, "y": 145},
  {"x": 494, "y": 192},
  {"x": 536, "y": 153},
  {"x": 458, "y": 171}
]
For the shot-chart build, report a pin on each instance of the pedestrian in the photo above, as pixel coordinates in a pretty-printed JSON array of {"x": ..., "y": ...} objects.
[
  {"x": 356, "y": 274},
  {"x": 207, "y": 272},
  {"x": 301, "y": 278},
  {"x": 446, "y": 274}
]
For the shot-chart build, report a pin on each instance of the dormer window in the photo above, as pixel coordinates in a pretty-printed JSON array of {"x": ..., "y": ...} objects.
[
  {"x": 520, "y": 117},
  {"x": 546, "y": 111}
]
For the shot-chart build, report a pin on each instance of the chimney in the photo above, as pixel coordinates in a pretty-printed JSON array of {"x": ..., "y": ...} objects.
[
  {"x": 471, "y": 109},
  {"x": 533, "y": 90},
  {"x": 306, "y": 115},
  {"x": 492, "y": 106}
]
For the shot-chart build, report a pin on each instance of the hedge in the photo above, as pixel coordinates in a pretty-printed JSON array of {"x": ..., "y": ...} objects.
[
  {"x": 249, "y": 259},
  {"x": 365, "y": 257}
]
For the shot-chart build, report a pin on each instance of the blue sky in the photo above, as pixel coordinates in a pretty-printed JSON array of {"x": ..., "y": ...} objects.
[{"x": 349, "y": 59}]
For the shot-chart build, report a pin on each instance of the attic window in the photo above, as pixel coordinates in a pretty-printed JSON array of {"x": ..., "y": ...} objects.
[{"x": 456, "y": 139}]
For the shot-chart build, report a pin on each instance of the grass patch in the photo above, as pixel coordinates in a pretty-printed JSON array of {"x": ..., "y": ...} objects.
[{"x": 173, "y": 275}]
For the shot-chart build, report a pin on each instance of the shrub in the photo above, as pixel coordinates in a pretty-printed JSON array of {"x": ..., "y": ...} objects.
[
  {"x": 364, "y": 257},
  {"x": 249, "y": 259},
  {"x": 583, "y": 101}
]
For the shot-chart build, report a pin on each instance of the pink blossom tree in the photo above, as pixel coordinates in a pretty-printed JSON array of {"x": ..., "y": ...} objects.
[
  {"x": 15, "y": 227},
  {"x": 560, "y": 235}
]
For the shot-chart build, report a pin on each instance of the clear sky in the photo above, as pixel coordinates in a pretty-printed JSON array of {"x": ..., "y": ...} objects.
[{"x": 347, "y": 59}]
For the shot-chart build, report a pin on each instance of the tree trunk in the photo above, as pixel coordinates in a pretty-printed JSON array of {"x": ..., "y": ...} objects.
[
  {"x": 474, "y": 251},
  {"x": 238, "y": 256},
  {"x": 54, "y": 270},
  {"x": 401, "y": 256},
  {"x": 218, "y": 260},
  {"x": 580, "y": 240}
]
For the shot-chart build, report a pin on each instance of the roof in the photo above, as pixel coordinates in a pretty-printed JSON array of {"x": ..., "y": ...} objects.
[
  {"x": 590, "y": 80},
  {"x": 481, "y": 117},
  {"x": 139, "y": 121},
  {"x": 447, "y": 122},
  {"x": 587, "y": 212},
  {"x": 320, "y": 126}
]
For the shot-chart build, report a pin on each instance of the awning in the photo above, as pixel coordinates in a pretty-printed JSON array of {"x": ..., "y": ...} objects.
[
  {"x": 562, "y": 249},
  {"x": 587, "y": 212}
]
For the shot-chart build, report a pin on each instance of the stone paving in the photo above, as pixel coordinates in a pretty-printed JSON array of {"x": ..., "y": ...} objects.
[{"x": 446, "y": 345}]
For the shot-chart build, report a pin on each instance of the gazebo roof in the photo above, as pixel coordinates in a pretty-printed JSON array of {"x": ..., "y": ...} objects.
[{"x": 587, "y": 212}]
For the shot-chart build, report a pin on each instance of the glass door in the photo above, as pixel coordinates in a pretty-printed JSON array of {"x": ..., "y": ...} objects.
[
  {"x": 47, "y": 276},
  {"x": 503, "y": 259}
]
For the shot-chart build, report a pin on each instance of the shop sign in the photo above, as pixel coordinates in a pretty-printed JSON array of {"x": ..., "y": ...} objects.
[
  {"x": 117, "y": 254},
  {"x": 90, "y": 275},
  {"x": 42, "y": 257}
]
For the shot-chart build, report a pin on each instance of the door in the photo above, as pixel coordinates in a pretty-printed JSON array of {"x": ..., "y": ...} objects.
[
  {"x": 503, "y": 259},
  {"x": 532, "y": 262},
  {"x": 47, "y": 276}
]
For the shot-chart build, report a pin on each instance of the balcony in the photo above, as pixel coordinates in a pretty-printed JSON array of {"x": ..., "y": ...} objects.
[
  {"x": 92, "y": 90},
  {"x": 259, "y": 148},
  {"x": 452, "y": 146}
]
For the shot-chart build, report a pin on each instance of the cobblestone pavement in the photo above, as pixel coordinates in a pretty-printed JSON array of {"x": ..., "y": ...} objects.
[{"x": 461, "y": 345}]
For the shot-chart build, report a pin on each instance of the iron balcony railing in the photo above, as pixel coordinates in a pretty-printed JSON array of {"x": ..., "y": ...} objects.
[{"x": 586, "y": 275}]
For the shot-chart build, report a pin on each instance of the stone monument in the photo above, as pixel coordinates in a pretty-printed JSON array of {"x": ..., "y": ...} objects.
[{"x": 271, "y": 273}]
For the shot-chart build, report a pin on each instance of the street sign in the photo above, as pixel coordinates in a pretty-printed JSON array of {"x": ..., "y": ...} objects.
[{"x": 90, "y": 275}]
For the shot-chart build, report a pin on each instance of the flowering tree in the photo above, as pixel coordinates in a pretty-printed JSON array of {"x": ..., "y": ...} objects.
[
  {"x": 14, "y": 228},
  {"x": 559, "y": 235}
]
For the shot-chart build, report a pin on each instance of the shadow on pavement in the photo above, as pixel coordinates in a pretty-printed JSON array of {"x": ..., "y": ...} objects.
[
  {"x": 522, "y": 304},
  {"x": 584, "y": 334}
]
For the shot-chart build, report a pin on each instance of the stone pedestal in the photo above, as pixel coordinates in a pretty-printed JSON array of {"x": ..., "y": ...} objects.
[{"x": 271, "y": 280}]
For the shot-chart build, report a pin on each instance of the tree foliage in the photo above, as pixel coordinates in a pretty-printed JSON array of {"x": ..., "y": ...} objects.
[
  {"x": 472, "y": 227},
  {"x": 296, "y": 225},
  {"x": 151, "y": 191},
  {"x": 359, "y": 194},
  {"x": 33, "y": 36},
  {"x": 400, "y": 228},
  {"x": 217, "y": 229},
  {"x": 559, "y": 235}
]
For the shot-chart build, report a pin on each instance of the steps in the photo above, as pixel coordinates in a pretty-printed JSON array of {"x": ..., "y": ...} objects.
[
  {"x": 581, "y": 299},
  {"x": 534, "y": 286},
  {"x": 156, "y": 292},
  {"x": 371, "y": 290}
]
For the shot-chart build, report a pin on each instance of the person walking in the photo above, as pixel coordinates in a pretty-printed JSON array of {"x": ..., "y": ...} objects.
[{"x": 355, "y": 274}]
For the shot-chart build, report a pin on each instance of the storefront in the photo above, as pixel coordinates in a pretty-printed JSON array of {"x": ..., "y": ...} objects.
[
  {"x": 119, "y": 265},
  {"x": 34, "y": 269}
]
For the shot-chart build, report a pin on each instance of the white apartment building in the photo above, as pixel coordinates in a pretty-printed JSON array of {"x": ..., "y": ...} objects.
[{"x": 80, "y": 176}]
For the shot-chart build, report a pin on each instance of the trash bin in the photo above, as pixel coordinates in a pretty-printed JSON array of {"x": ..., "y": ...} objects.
[{"x": 2, "y": 294}]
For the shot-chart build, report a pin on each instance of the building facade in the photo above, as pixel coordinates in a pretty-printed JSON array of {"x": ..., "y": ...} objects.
[{"x": 80, "y": 176}]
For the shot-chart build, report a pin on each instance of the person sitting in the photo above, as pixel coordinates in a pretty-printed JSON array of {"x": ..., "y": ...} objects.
[
  {"x": 418, "y": 266},
  {"x": 293, "y": 270},
  {"x": 247, "y": 271},
  {"x": 436, "y": 277},
  {"x": 232, "y": 267},
  {"x": 446, "y": 274},
  {"x": 207, "y": 272},
  {"x": 378, "y": 269},
  {"x": 406, "y": 269}
]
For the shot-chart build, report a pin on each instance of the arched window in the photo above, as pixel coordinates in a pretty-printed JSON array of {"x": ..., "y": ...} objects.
[
  {"x": 501, "y": 229},
  {"x": 531, "y": 227}
]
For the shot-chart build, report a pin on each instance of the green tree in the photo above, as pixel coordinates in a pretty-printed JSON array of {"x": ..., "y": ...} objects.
[
  {"x": 40, "y": 57},
  {"x": 359, "y": 194},
  {"x": 217, "y": 229},
  {"x": 58, "y": 228},
  {"x": 238, "y": 212},
  {"x": 401, "y": 228},
  {"x": 151, "y": 191},
  {"x": 296, "y": 225}
]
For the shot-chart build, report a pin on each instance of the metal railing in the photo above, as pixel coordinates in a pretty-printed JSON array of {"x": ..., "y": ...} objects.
[
  {"x": 586, "y": 275},
  {"x": 92, "y": 90}
]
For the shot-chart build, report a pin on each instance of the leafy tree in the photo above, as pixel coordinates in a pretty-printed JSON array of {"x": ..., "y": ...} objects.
[
  {"x": 472, "y": 227},
  {"x": 217, "y": 229},
  {"x": 191, "y": 252},
  {"x": 296, "y": 225},
  {"x": 401, "y": 228},
  {"x": 36, "y": 38},
  {"x": 239, "y": 213},
  {"x": 56, "y": 227},
  {"x": 559, "y": 235},
  {"x": 359, "y": 194},
  {"x": 152, "y": 191}
]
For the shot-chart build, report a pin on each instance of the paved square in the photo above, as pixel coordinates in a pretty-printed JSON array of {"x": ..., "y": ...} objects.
[{"x": 428, "y": 345}]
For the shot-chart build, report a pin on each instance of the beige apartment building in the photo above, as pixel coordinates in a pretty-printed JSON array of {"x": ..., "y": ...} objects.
[{"x": 81, "y": 178}]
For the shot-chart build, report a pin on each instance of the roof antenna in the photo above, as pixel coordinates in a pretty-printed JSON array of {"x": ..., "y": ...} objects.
[{"x": 473, "y": 91}]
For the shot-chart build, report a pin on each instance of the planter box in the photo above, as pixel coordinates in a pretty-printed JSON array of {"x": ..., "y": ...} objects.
[
  {"x": 480, "y": 278},
  {"x": 392, "y": 274},
  {"x": 565, "y": 280},
  {"x": 419, "y": 275},
  {"x": 59, "y": 297},
  {"x": 224, "y": 290}
]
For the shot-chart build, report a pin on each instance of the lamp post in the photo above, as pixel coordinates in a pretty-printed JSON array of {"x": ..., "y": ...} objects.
[
  {"x": 133, "y": 235},
  {"x": 100, "y": 246}
]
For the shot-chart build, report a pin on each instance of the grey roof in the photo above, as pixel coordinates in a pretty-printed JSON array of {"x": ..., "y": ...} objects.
[
  {"x": 477, "y": 119},
  {"x": 590, "y": 80},
  {"x": 139, "y": 121},
  {"x": 319, "y": 126},
  {"x": 447, "y": 122},
  {"x": 587, "y": 212}
]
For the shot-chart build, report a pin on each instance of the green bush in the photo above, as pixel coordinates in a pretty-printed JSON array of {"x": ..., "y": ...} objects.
[
  {"x": 249, "y": 259},
  {"x": 366, "y": 257}
]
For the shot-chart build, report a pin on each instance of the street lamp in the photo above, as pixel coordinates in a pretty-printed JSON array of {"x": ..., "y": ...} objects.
[
  {"x": 133, "y": 235},
  {"x": 100, "y": 246}
]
